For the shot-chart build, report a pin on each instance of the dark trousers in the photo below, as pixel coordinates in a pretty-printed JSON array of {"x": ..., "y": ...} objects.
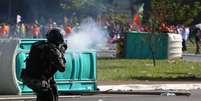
[
  {"x": 184, "y": 47},
  {"x": 197, "y": 42},
  {"x": 49, "y": 95}
]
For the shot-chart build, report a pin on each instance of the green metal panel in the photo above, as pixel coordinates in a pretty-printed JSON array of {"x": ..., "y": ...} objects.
[
  {"x": 80, "y": 74},
  {"x": 139, "y": 45}
]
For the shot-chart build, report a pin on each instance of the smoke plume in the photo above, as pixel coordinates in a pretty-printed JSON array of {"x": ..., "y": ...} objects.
[{"x": 89, "y": 36}]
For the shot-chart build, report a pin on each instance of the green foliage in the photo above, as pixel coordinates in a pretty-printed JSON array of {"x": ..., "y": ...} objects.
[
  {"x": 75, "y": 4},
  {"x": 85, "y": 7},
  {"x": 119, "y": 17},
  {"x": 175, "y": 11}
]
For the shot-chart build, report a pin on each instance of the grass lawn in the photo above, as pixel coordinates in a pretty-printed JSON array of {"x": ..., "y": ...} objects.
[{"x": 135, "y": 69}]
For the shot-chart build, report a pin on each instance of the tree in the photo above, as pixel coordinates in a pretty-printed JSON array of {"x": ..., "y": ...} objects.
[
  {"x": 84, "y": 7},
  {"x": 170, "y": 12},
  {"x": 175, "y": 11}
]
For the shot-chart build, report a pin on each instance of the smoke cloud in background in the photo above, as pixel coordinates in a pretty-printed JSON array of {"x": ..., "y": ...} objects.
[
  {"x": 32, "y": 10},
  {"x": 90, "y": 36},
  {"x": 51, "y": 9}
]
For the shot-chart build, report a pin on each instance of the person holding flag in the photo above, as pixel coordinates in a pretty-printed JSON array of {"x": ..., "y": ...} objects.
[{"x": 137, "y": 19}]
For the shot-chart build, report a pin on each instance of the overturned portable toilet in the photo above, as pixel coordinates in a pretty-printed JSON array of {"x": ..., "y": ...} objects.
[
  {"x": 80, "y": 74},
  {"x": 143, "y": 45}
]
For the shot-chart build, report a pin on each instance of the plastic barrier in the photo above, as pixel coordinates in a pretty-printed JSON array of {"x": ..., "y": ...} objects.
[
  {"x": 164, "y": 45},
  {"x": 174, "y": 46},
  {"x": 80, "y": 74},
  {"x": 138, "y": 45},
  {"x": 8, "y": 84}
]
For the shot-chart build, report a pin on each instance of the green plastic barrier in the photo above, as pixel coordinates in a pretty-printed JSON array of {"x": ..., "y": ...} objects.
[
  {"x": 139, "y": 45},
  {"x": 80, "y": 74}
]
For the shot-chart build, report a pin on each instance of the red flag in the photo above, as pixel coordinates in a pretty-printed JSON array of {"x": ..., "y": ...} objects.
[{"x": 136, "y": 20}]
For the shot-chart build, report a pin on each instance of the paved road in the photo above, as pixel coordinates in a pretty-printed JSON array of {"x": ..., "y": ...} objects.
[
  {"x": 195, "y": 96},
  {"x": 191, "y": 57}
]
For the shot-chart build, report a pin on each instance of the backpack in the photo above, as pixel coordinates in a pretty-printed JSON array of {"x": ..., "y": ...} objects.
[
  {"x": 32, "y": 76},
  {"x": 35, "y": 64}
]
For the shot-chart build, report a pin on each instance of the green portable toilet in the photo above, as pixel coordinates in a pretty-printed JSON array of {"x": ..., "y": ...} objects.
[
  {"x": 138, "y": 45},
  {"x": 20, "y": 58},
  {"x": 80, "y": 74}
]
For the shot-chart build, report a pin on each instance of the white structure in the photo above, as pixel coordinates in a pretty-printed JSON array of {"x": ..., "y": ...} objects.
[
  {"x": 8, "y": 77},
  {"x": 174, "y": 46}
]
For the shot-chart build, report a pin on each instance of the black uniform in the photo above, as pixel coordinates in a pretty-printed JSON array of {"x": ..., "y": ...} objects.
[{"x": 41, "y": 65}]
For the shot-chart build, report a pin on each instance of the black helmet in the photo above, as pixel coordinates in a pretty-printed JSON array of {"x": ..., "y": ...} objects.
[{"x": 55, "y": 36}]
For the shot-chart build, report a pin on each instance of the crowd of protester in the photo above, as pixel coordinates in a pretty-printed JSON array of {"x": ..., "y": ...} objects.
[
  {"x": 188, "y": 33},
  {"x": 115, "y": 29},
  {"x": 35, "y": 30}
]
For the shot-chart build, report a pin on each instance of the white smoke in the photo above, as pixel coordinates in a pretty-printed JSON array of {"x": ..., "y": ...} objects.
[{"x": 89, "y": 36}]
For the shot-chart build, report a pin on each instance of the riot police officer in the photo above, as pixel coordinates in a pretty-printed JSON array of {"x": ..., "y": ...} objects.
[{"x": 44, "y": 60}]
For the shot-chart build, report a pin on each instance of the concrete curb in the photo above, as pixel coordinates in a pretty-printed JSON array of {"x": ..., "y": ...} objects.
[{"x": 141, "y": 87}]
